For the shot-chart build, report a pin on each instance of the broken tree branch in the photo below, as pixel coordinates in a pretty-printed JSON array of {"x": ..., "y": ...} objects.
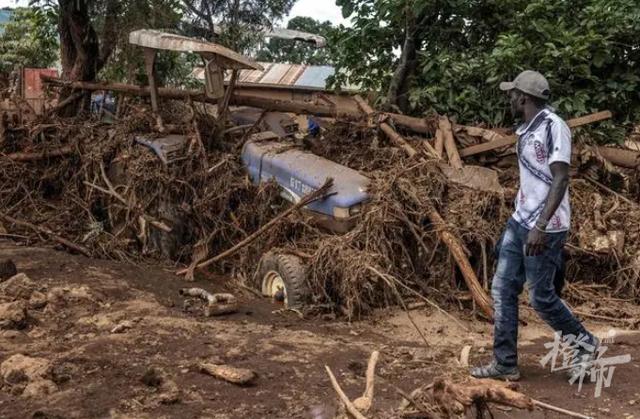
[
  {"x": 343, "y": 397},
  {"x": 553, "y": 408},
  {"x": 46, "y": 231},
  {"x": 479, "y": 295},
  {"x": 306, "y": 200},
  {"x": 363, "y": 403}
]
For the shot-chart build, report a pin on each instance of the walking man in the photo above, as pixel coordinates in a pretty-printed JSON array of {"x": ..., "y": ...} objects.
[{"x": 530, "y": 249}]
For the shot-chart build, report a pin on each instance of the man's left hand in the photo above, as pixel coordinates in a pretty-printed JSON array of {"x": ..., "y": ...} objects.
[{"x": 536, "y": 242}]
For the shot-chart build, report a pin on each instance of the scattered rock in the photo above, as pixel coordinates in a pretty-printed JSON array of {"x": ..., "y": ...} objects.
[
  {"x": 40, "y": 388},
  {"x": 7, "y": 269},
  {"x": 59, "y": 297},
  {"x": 13, "y": 315},
  {"x": 37, "y": 300},
  {"x": 18, "y": 287},
  {"x": 240, "y": 376}
]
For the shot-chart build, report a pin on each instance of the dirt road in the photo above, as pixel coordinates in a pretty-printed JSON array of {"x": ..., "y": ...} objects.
[{"x": 150, "y": 369}]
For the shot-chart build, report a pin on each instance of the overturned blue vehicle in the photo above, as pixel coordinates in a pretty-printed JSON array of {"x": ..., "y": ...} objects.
[{"x": 299, "y": 172}]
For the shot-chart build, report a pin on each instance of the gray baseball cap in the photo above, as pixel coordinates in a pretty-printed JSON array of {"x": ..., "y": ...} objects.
[{"x": 530, "y": 82}]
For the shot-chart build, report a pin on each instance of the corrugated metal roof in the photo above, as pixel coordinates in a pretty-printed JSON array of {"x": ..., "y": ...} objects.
[
  {"x": 301, "y": 75},
  {"x": 315, "y": 76}
]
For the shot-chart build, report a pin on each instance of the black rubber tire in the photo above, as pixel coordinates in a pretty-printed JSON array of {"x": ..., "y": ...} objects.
[{"x": 293, "y": 273}]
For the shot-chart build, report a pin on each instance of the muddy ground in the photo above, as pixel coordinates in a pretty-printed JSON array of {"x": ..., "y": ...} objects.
[{"x": 97, "y": 373}]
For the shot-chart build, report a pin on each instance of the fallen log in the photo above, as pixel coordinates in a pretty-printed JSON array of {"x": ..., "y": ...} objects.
[
  {"x": 512, "y": 139},
  {"x": 238, "y": 98}
]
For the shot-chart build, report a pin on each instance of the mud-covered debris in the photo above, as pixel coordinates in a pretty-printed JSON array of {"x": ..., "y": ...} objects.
[
  {"x": 216, "y": 304},
  {"x": 7, "y": 269},
  {"x": 122, "y": 326},
  {"x": 13, "y": 315},
  {"x": 18, "y": 287},
  {"x": 234, "y": 375}
]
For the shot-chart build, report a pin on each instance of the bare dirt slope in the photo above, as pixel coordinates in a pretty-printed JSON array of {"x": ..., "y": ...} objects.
[{"x": 75, "y": 367}]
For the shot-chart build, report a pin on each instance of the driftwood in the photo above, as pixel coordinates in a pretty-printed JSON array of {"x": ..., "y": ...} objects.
[
  {"x": 238, "y": 376},
  {"x": 71, "y": 245},
  {"x": 457, "y": 398},
  {"x": 313, "y": 196}
]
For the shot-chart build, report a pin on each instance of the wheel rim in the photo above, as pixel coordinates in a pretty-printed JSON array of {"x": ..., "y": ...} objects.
[{"x": 272, "y": 283}]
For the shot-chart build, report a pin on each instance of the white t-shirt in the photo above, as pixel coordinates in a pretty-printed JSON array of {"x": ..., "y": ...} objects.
[{"x": 545, "y": 140}]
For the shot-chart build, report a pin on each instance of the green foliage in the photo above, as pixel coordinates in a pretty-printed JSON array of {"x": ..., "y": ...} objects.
[
  {"x": 127, "y": 61},
  {"x": 237, "y": 23},
  {"x": 588, "y": 49},
  {"x": 30, "y": 39},
  {"x": 297, "y": 52}
]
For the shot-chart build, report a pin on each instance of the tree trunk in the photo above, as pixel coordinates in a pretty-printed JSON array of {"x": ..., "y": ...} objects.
[
  {"x": 79, "y": 48},
  {"x": 397, "y": 95}
]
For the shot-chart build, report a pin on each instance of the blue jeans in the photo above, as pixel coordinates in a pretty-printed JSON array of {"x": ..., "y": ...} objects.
[{"x": 514, "y": 269}]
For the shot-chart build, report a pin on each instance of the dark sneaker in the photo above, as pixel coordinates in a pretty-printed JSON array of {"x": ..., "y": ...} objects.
[
  {"x": 496, "y": 371},
  {"x": 583, "y": 361}
]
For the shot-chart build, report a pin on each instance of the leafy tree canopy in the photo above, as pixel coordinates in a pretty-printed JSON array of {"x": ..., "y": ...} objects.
[{"x": 588, "y": 49}]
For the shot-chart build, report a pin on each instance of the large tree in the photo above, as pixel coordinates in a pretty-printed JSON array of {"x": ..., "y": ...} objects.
[{"x": 449, "y": 55}]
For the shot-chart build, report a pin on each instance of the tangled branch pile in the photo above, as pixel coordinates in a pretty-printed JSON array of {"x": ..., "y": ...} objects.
[{"x": 113, "y": 197}]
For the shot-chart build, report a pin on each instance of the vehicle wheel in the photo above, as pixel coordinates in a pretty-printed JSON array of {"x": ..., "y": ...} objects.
[{"x": 283, "y": 277}]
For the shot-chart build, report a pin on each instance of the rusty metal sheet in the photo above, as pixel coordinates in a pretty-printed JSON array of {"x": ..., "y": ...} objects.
[
  {"x": 32, "y": 87},
  {"x": 292, "y": 74},
  {"x": 275, "y": 73},
  {"x": 161, "y": 40}
]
